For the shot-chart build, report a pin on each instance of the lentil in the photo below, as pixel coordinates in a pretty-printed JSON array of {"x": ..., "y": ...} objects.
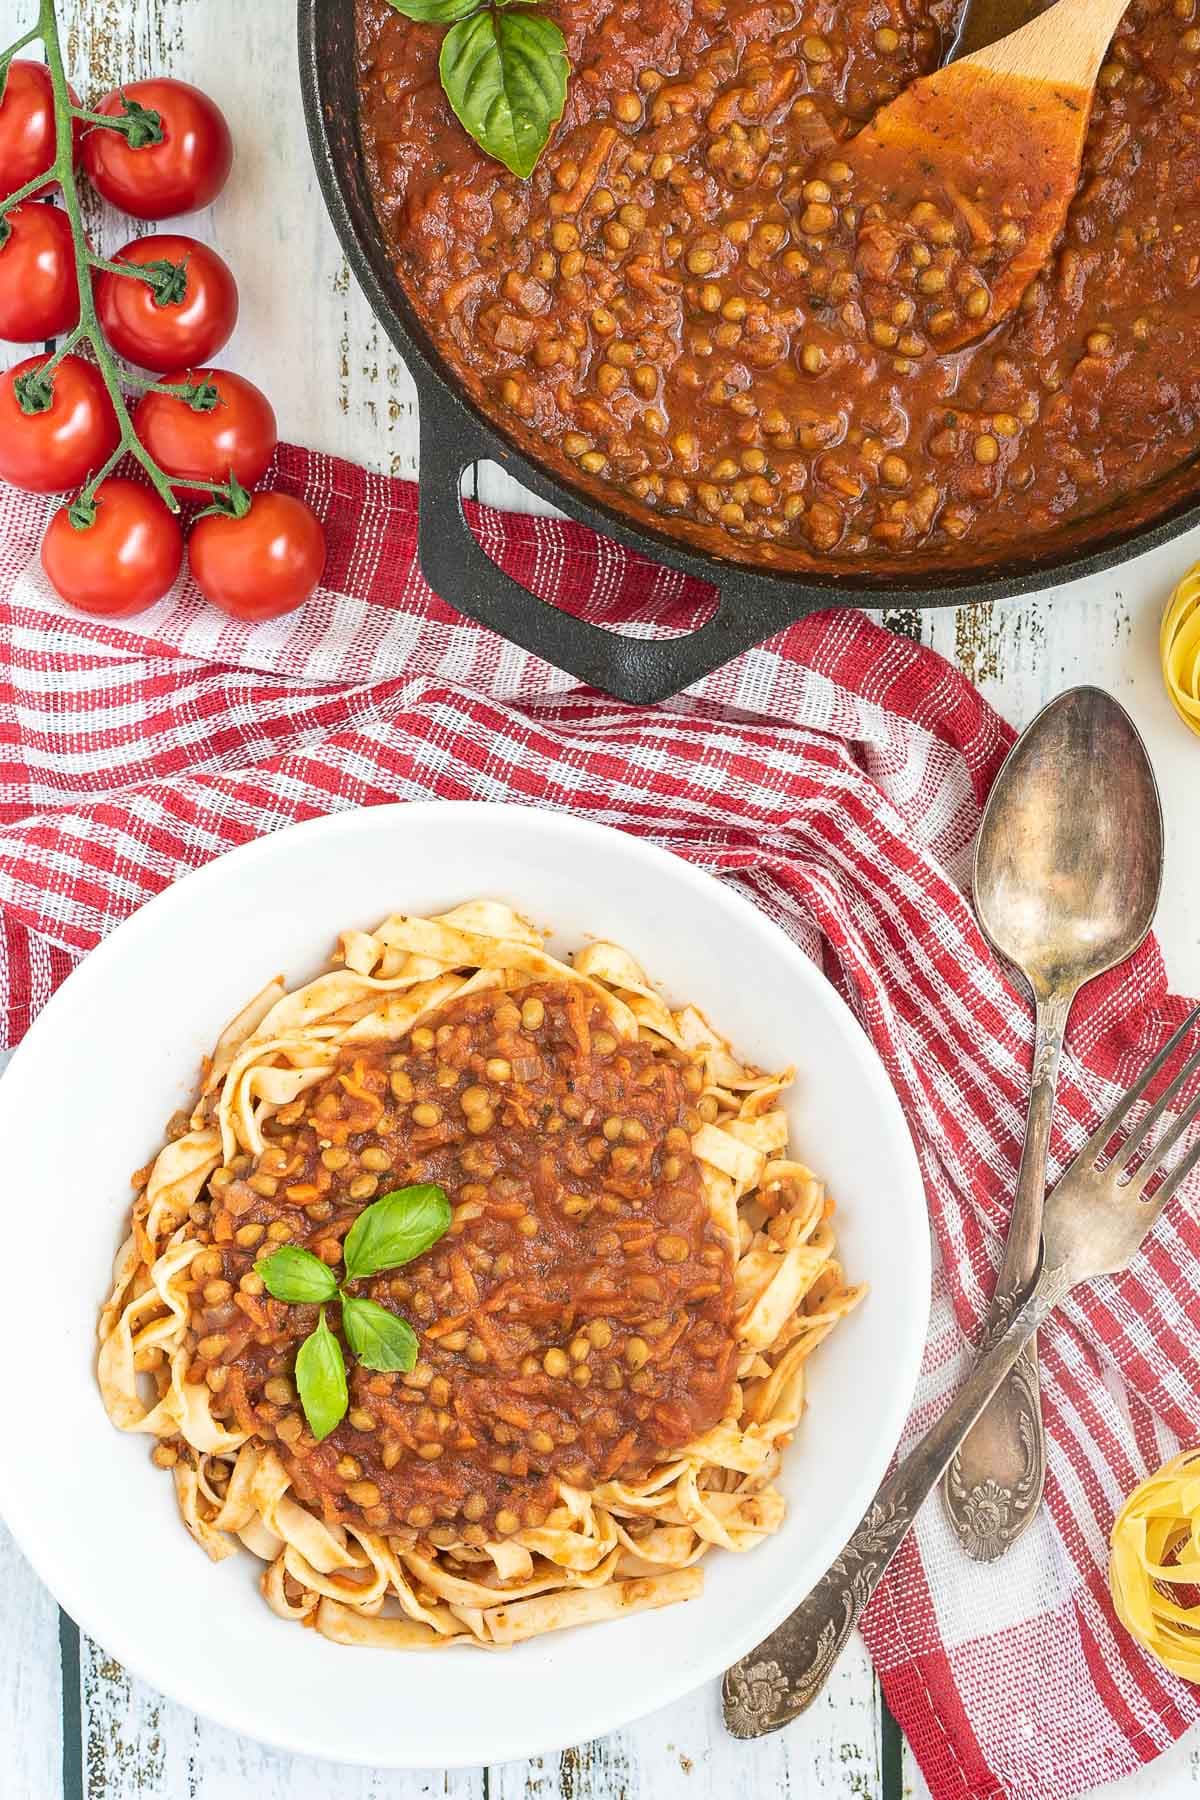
[{"x": 618, "y": 1105}]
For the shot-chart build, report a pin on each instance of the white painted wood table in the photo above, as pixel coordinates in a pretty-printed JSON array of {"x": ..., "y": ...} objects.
[{"x": 72, "y": 1721}]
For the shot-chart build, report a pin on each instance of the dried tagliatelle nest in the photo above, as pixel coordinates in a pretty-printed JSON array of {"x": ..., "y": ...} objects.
[
  {"x": 1155, "y": 1549},
  {"x": 1179, "y": 649}
]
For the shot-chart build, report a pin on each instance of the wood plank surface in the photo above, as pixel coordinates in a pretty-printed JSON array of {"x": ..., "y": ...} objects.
[
  {"x": 31, "y": 1747},
  {"x": 307, "y": 336},
  {"x": 137, "y": 1745}
]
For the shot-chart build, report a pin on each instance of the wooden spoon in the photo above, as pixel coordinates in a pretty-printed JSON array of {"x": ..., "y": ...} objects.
[{"x": 960, "y": 186}]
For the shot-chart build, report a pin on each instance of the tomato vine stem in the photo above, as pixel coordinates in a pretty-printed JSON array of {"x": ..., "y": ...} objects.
[
  {"x": 29, "y": 187},
  {"x": 115, "y": 268},
  {"x": 139, "y": 124},
  {"x": 62, "y": 171},
  {"x": 29, "y": 38},
  {"x": 68, "y": 343}
]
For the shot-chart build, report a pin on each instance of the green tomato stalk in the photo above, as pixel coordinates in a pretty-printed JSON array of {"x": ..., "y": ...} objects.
[{"x": 34, "y": 391}]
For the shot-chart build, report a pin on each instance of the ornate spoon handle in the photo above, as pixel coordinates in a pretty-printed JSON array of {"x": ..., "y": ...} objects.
[
  {"x": 785, "y": 1674},
  {"x": 994, "y": 1483}
]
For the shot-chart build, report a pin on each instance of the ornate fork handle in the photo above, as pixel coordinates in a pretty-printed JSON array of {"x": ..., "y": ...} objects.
[{"x": 784, "y": 1675}]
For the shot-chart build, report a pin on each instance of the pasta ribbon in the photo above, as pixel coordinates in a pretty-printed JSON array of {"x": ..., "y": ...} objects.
[
  {"x": 1179, "y": 649},
  {"x": 1156, "y": 1546}
]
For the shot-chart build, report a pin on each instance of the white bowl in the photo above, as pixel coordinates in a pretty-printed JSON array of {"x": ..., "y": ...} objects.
[{"x": 83, "y": 1104}]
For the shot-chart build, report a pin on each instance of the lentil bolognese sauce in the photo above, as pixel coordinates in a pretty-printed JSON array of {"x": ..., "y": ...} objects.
[
  {"x": 689, "y": 311},
  {"x": 611, "y": 1325}
]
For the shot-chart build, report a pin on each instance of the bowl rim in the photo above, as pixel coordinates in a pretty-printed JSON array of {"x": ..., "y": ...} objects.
[{"x": 64, "y": 1574}]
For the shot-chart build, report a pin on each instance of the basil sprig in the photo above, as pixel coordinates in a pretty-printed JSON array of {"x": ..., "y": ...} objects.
[
  {"x": 298, "y": 1277},
  {"x": 377, "y": 1337},
  {"x": 395, "y": 1229},
  {"x": 321, "y": 1379},
  {"x": 384, "y": 1236},
  {"x": 504, "y": 71}
]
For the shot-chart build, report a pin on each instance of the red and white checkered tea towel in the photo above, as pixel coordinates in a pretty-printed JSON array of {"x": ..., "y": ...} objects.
[{"x": 835, "y": 775}]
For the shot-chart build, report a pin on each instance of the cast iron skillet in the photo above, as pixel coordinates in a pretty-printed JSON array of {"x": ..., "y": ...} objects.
[{"x": 455, "y": 435}]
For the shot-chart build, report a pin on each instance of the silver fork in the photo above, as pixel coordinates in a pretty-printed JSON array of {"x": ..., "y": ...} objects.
[{"x": 1093, "y": 1223}]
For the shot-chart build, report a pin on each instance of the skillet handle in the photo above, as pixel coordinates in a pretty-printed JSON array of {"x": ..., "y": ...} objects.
[{"x": 640, "y": 670}]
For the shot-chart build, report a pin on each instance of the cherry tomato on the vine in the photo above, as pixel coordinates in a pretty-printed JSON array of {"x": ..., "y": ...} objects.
[
  {"x": 183, "y": 318},
  {"x": 236, "y": 437},
  {"x": 27, "y": 130},
  {"x": 265, "y": 563},
  {"x": 124, "y": 560},
  {"x": 73, "y": 434},
  {"x": 39, "y": 298},
  {"x": 175, "y": 166}
]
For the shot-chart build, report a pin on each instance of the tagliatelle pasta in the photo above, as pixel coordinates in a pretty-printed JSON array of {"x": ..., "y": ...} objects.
[
  {"x": 1179, "y": 649},
  {"x": 613, "y": 1332},
  {"x": 1155, "y": 1547}
]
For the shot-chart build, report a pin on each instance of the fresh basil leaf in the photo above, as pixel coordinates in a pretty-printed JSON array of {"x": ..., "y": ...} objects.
[
  {"x": 377, "y": 1337},
  {"x": 297, "y": 1276},
  {"x": 505, "y": 75},
  {"x": 321, "y": 1380},
  {"x": 435, "y": 12},
  {"x": 395, "y": 1229}
]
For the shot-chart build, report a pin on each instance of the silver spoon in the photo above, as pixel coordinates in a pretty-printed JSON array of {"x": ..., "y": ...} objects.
[{"x": 1068, "y": 866}]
